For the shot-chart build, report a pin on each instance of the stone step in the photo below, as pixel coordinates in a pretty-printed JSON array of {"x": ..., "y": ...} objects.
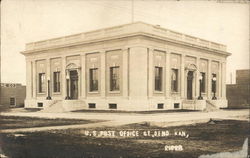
[
  {"x": 210, "y": 107},
  {"x": 56, "y": 107},
  {"x": 188, "y": 102}
]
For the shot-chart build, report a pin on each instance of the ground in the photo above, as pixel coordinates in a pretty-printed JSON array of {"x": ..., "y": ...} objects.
[
  {"x": 203, "y": 138},
  {"x": 15, "y": 122}
]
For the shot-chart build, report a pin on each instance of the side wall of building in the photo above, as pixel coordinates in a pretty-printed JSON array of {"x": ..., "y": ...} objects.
[{"x": 12, "y": 95}]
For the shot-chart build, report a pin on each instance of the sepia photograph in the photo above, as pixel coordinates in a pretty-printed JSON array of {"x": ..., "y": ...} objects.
[{"x": 124, "y": 79}]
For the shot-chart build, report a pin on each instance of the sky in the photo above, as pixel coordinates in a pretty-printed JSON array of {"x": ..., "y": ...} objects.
[{"x": 24, "y": 21}]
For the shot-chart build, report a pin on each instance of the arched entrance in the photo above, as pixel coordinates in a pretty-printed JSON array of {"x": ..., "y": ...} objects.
[
  {"x": 72, "y": 76},
  {"x": 190, "y": 85},
  {"x": 190, "y": 73},
  {"x": 73, "y": 94}
]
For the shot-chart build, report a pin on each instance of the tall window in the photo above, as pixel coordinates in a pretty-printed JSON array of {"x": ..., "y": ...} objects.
[
  {"x": 41, "y": 82},
  {"x": 158, "y": 78},
  {"x": 203, "y": 82},
  {"x": 114, "y": 78},
  {"x": 93, "y": 79},
  {"x": 56, "y": 83},
  {"x": 174, "y": 80}
]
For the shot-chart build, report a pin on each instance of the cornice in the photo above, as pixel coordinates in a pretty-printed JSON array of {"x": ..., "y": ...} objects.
[{"x": 124, "y": 36}]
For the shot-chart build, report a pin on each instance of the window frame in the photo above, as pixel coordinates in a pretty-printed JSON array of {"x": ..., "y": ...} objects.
[
  {"x": 114, "y": 82},
  {"x": 41, "y": 78},
  {"x": 56, "y": 82},
  {"x": 12, "y": 99},
  {"x": 93, "y": 80},
  {"x": 158, "y": 79},
  {"x": 175, "y": 83}
]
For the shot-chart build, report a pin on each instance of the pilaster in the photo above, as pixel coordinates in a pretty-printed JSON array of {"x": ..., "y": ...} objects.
[
  {"x": 63, "y": 77},
  {"x": 34, "y": 80},
  {"x": 182, "y": 88},
  {"x": 138, "y": 78},
  {"x": 103, "y": 72},
  {"x": 168, "y": 75},
  {"x": 209, "y": 80},
  {"x": 83, "y": 74},
  {"x": 150, "y": 72},
  {"x": 223, "y": 80},
  {"x": 218, "y": 82},
  {"x": 28, "y": 79},
  {"x": 48, "y": 77},
  {"x": 125, "y": 72},
  {"x": 197, "y": 76}
]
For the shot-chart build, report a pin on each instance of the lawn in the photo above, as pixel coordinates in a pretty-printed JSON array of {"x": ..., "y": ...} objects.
[
  {"x": 13, "y": 122},
  {"x": 205, "y": 138}
]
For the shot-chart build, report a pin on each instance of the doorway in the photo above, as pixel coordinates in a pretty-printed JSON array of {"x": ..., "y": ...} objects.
[
  {"x": 190, "y": 85},
  {"x": 73, "y": 84}
]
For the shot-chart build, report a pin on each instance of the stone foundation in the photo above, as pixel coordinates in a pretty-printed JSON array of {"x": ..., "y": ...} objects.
[{"x": 125, "y": 104}]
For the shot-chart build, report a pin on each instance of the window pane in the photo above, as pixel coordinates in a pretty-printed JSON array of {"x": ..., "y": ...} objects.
[
  {"x": 114, "y": 78},
  {"x": 56, "y": 77},
  {"x": 174, "y": 80},
  {"x": 41, "y": 82},
  {"x": 93, "y": 77},
  {"x": 158, "y": 78},
  {"x": 12, "y": 101}
]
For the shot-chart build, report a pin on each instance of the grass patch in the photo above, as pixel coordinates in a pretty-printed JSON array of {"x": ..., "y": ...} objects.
[
  {"x": 205, "y": 138},
  {"x": 13, "y": 122}
]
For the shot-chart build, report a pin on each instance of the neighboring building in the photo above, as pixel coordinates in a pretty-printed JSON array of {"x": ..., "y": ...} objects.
[
  {"x": 12, "y": 94},
  {"x": 135, "y": 66},
  {"x": 239, "y": 94}
]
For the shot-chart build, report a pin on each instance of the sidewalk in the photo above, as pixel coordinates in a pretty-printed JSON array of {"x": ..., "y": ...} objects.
[{"x": 117, "y": 119}]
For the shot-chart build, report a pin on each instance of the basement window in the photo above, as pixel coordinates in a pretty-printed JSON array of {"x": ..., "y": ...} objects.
[
  {"x": 92, "y": 105},
  {"x": 160, "y": 106},
  {"x": 40, "y": 104},
  {"x": 112, "y": 106},
  {"x": 176, "y": 105}
]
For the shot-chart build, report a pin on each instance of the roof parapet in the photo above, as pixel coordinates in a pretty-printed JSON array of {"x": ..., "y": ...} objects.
[{"x": 122, "y": 30}]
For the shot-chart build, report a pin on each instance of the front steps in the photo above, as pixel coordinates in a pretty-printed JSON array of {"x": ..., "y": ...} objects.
[
  {"x": 204, "y": 105},
  {"x": 56, "y": 107},
  {"x": 65, "y": 106},
  {"x": 210, "y": 106}
]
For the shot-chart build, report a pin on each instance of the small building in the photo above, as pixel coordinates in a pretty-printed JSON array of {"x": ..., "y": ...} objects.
[
  {"x": 12, "y": 94},
  {"x": 239, "y": 94},
  {"x": 134, "y": 67}
]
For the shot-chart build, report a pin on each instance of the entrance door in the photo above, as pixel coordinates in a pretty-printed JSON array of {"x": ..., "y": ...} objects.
[
  {"x": 73, "y": 84},
  {"x": 190, "y": 85}
]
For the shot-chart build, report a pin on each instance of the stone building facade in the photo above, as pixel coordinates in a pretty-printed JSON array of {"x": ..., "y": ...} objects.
[
  {"x": 135, "y": 67},
  {"x": 12, "y": 94}
]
